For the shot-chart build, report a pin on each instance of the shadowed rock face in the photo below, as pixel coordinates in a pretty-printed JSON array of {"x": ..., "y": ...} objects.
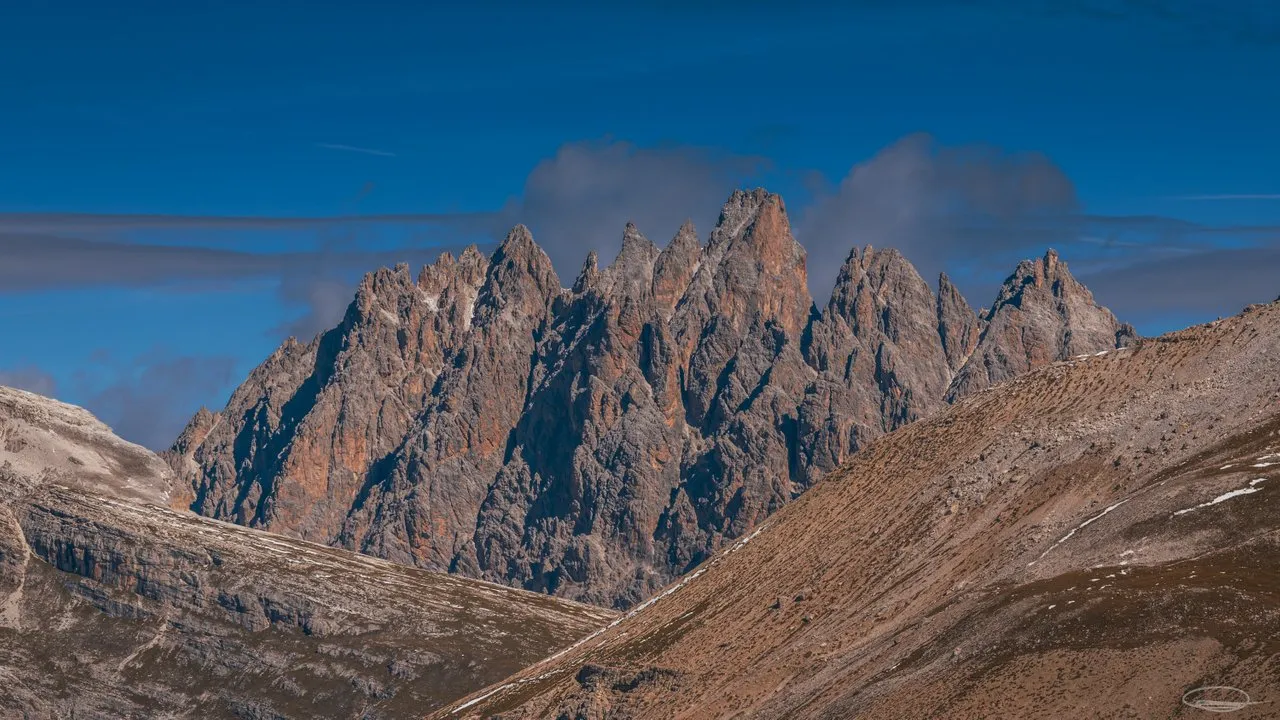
[
  {"x": 596, "y": 442},
  {"x": 112, "y": 605}
]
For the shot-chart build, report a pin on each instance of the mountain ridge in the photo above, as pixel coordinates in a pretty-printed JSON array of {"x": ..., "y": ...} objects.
[{"x": 596, "y": 442}]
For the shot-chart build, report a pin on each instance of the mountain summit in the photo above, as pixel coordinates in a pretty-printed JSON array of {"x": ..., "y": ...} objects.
[{"x": 597, "y": 442}]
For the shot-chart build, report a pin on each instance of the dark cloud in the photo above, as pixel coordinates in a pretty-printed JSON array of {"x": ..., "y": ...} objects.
[
  {"x": 580, "y": 199},
  {"x": 938, "y": 205},
  {"x": 152, "y": 396},
  {"x": 975, "y": 211},
  {"x": 31, "y": 379},
  {"x": 1170, "y": 291},
  {"x": 34, "y": 262}
]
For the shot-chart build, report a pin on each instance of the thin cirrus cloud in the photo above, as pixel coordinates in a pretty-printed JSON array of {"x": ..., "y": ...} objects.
[{"x": 352, "y": 148}]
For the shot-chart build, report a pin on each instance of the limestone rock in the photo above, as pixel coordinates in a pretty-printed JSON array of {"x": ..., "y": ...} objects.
[{"x": 598, "y": 441}]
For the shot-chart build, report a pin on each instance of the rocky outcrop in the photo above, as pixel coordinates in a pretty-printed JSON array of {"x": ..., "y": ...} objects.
[
  {"x": 595, "y": 442},
  {"x": 1041, "y": 315},
  {"x": 112, "y": 605},
  {"x": 879, "y": 349},
  {"x": 43, "y": 440},
  {"x": 958, "y": 326}
]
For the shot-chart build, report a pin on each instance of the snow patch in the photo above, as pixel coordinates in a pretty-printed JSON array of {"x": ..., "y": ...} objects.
[
  {"x": 1221, "y": 498},
  {"x": 1078, "y": 528}
]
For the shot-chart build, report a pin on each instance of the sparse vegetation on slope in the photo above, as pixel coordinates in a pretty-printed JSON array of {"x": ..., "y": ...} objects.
[{"x": 1074, "y": 543}]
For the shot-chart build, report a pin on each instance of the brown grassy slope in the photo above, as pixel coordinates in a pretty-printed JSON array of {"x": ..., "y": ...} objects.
[{"x": 1018, "y": 555}]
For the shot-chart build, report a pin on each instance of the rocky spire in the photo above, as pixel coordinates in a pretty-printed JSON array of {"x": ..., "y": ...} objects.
[
  {"x": 589, "y": 275},
  {"x": 675, "y": 267},
  {"x": 1041, "y": 314},
  {"x": 880, "y": 358},
  {"x": 958, "y": 325},
  {"x": 631, "y": 272}
]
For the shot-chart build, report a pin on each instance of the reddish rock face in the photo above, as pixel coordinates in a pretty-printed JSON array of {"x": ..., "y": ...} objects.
[{"x": 596, "y": 442}]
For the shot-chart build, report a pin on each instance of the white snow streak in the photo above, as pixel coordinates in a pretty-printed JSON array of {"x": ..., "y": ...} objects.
[
  {"x": 1077, "y": 529},
  {"x": 1221, "y": 498}
]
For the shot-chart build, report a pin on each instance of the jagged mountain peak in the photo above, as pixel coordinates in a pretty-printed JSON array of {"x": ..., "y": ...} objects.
[
  {"x": 631, "y": 272},
  {"x": 742, "y": 209},
  {"x": 675, "y": 268},
  {"x": 596, "y": 442},
  {"x": 635, "y": 245},
  {"x": 868, "y": 272},
  {"x": 1041, "y": 314},
  {"x": 753, "y": 270},
  {"x": 958, "y": 325},
  {"x": 589, "y": 275},
  {"x": 686, "y": 233},
  {"x": 519, "y": 247}
]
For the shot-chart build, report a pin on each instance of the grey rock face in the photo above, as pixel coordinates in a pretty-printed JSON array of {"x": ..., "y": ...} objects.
[
  {"x": 112, "y": 605},
  {"x": 1041, "y": 315},
  {"x": 596, "y": 442},
  {"x": 878, "y": 346}
]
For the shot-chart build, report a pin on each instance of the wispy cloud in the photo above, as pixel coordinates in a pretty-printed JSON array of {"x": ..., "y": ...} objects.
[
  {"x": 1230, "y": 196},
  {"x": 31, "y": 379},
  {"x": 70, "y": 222},
  {"x": 581, "y": 198},
  {"x": 317, "y": 279},
  {"x": 354, "y": 149},
  {"x": 151, "y": 395}
]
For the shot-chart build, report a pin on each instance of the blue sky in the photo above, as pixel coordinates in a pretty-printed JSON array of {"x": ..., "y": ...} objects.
[{"x": 1125, "y": 132}]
